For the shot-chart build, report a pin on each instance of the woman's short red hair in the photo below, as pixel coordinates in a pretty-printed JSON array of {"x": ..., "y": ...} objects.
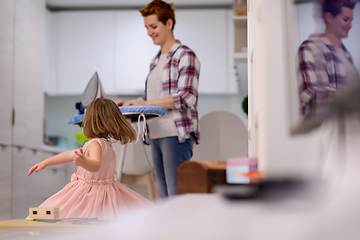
[
  {"x": 162, "y": 9},
  {"x": 335, "y": 6}
]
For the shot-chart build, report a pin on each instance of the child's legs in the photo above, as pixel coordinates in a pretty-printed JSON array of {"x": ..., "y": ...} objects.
[{"x": 158, "y": 168}]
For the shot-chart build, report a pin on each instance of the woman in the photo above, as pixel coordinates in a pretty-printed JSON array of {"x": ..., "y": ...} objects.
[
  {"x": 325, "y": 65},
  {"x": 173, "y": 84}
]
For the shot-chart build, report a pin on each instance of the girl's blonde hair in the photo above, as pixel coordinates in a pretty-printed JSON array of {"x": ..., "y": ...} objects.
[{"x": 103, "y": 119}]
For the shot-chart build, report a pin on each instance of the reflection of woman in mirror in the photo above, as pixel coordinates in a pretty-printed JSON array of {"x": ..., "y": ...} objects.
[{"x": 325, "y": 65}]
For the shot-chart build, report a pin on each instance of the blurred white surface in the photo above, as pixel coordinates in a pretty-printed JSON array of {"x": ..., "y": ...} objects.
[{"x": 209, "y": 216}]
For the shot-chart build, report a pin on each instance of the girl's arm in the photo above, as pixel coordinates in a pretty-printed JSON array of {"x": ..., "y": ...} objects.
[
  {"x": 91, "y": 159},
  {"x": 61, "y": 158}
]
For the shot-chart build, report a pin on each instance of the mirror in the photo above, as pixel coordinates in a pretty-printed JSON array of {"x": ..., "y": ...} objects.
[
  {"x": 325, "y": 69},
  {"x": 281, "y": 26}
]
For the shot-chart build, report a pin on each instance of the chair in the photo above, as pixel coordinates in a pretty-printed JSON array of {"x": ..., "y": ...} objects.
[
  {"x": 134, "y": 169},
  {"x": 223, "y": 135}
]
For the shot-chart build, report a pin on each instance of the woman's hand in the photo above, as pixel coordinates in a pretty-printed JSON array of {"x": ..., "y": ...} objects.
[
  {"x": 79, "y": 157},
  {"x": 120, "y": 102},
  {"x": 37, "y": 167},
  {"x": 134, "y": 103}
]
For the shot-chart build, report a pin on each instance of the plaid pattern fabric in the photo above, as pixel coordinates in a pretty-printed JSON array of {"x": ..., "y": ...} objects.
[
  {"x": 320, "y": 72},
  {"x": 180, "y": 79}
]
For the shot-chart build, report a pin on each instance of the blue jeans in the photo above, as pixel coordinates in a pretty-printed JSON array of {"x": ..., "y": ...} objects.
[{"x": 167, "y": 155}]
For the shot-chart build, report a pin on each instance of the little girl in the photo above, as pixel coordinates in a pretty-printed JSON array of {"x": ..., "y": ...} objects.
[{"x": 93, "y": 191}]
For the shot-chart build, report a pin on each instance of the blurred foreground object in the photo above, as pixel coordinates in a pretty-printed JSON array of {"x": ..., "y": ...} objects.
[{"x": 241, "y": 170}]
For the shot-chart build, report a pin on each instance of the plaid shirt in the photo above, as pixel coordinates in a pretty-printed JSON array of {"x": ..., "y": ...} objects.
[
  {"x": 320, "y": 72},
  {"x": 180, "y": 79}
]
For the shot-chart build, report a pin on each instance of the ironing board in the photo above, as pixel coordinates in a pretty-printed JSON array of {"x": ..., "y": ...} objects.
[{"x": 132, "y": 113}]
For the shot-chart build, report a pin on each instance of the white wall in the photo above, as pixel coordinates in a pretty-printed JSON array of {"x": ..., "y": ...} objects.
[
  {"x": 279, "y": 153},
  {"x": 82, "y": 42}
]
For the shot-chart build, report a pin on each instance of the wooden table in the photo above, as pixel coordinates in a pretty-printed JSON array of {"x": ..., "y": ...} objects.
[{"x": 25, "y": 225}]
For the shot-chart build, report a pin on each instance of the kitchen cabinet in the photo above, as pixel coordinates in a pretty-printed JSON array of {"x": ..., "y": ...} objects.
[
  {"x": 5, "y": 182},
  {"x": 240, "y": 25},
  {"x": 133, "y": 53},
  {"x": 51, "y": 52},
  {"x": 28, "y": 98},
  {"x": 21, "y": 73},
  {"x": 207, "y": 33},
  {"x": 7, "y": 14},
  {"x": 33, "y": 190},
  {"x": 116, "y": 45},
  {"x": 240, "y": 50},
  {"x": 22, "y": 102},
  {"x": 85, "y": 46},
  {"x": 240, "y": 32}
]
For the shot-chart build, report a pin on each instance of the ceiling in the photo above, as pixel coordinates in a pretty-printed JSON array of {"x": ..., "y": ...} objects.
[
  {"x": 85, "y": 4},
  {"x": 69, "y": 4}
]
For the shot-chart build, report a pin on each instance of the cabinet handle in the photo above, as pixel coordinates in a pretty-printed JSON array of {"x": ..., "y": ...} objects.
[{"x": 13, "y": 116}]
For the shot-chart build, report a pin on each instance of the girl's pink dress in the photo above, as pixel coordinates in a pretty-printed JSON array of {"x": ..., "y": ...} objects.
[{"x": 96, "y": 194}]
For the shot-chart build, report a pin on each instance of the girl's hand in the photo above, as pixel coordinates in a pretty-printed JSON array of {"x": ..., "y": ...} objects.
[
  {"x": 37, "y": 167},
  {"x": 79, "y": 157}
]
